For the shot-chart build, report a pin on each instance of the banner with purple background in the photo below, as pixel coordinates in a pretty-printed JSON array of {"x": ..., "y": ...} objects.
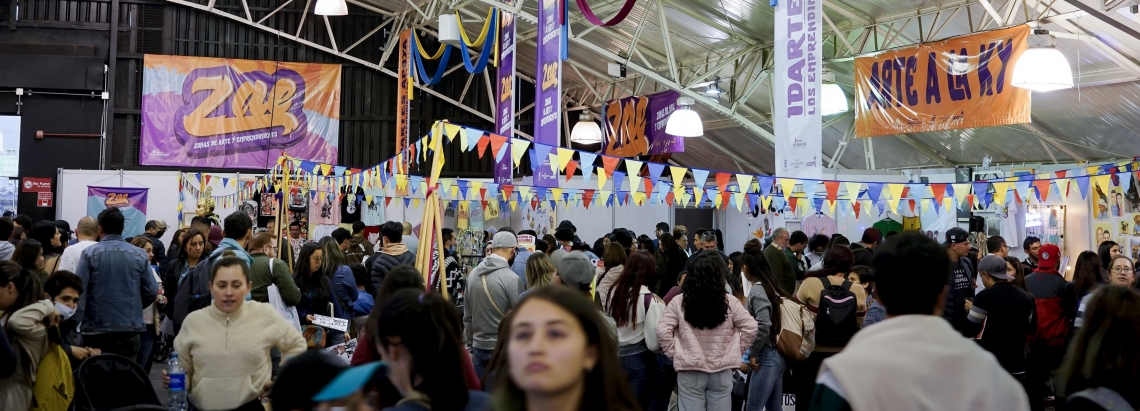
[
  {"x": 796, "y": 116},
  {"x": 548, "y": 96},
  {"x": 131, "y": 201},
  {"x": 635, "y": 126},
  {"x": 226, "y": 113},
  {"x": 505, "y": 112}
]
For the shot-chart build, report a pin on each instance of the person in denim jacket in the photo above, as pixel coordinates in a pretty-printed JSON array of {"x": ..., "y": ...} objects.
[{"x": 118, "y": 283}]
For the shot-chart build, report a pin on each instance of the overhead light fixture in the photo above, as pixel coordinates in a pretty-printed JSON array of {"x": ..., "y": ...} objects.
[
  {"x": 834, "y": 101},
  {"x": 1042, "y": 67},
  {"x": 714, "y": 88},
  {"x": 586, "y": 131},
  {"x": 331, "y": 8},
  {"x": 684, "y": 122},
  {"x": 449, "y": 29}
]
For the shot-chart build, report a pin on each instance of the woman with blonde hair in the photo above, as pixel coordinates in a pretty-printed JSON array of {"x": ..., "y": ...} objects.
[{"x": 539, "y": 272}]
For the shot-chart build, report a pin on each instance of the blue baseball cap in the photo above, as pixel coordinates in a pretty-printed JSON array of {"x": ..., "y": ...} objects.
[{"x": 350, "y": 381}]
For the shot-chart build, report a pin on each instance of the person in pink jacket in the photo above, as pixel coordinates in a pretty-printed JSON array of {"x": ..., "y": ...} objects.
[{"x": 702, "y": 332}]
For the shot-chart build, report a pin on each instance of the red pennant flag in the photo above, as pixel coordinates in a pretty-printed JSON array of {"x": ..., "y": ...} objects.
[
  {"x": 1061, "y": 174},
  {"x": 587, "y": 197},
  {"x": 497, "y": 143},
  {"x": 609, "y": 164},
  {"x": 792, "y": 202},
  {"x": 483, "y": 142},
  {"x": 206, "y": 178},
  {"x": 507, "y": 190},
  {"x": 669, "y": 198},
  {"x": 483, "y": 195},
  {"x": 939, "y": 191},
  {"x": 571, "y": 167},
  {"x": 648, "y": 187},
  {"x": 722, "y": 182},
  {"x": 855, "y": 205},
  {"x": 832, "y": 189},
  {"x": 911, "y": 205},
  {"x": 970, "y": 201},
  {"x": 905, "y": 192},
  {"x": 1042, "y": 187},
  {"x": 724, "y": 196},
  {"x": 387, "y": 201},
  {"x": 484, "y": 204}
]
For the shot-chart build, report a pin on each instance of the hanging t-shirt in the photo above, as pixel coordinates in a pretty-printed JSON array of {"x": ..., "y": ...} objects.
[
  {"x": 1009, "y": 231},
  {"x": 319, "y": 231},
  {"x": 887, "y": 225},
  {"x": 911, "y": 224},
  {"x": 373, "y": 212},
  {"x": 818, "y": 224},
  {"x": 324, "y": 210},
  {"x": 350, "y": 206}
]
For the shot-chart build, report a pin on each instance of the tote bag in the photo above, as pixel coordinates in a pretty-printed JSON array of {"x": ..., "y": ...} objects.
[{"x": 797, "y": 334}]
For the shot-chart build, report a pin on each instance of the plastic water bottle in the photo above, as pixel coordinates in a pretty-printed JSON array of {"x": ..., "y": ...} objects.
[{"x": 177, "y": 384}]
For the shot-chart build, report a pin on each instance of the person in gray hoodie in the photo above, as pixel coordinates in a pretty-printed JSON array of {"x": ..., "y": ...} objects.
[
  {"x": 6, "y": 248},
  {"x": 492, "y": 291}
]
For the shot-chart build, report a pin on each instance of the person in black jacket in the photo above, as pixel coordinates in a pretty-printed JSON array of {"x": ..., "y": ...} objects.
[
  {"x": 64, "y": 288},
  {"x": 961, "y": 279},
  {"x": 865, "y": 248},
  {"x": 1003, "y": 314},
  {"x": 392, "y": 254}
]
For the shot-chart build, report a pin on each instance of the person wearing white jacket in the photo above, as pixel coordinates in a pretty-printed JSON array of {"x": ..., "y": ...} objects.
[
  {"x": 24, "y": 318},
  {"x": 636, "y": 310}
]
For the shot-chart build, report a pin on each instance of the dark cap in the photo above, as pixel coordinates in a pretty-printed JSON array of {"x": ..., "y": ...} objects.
[
  {"x": 872, "y": 236},
  {"x": 567, "y": 224},
  {"x": 956, "y": 235},
  {"x": 576, "y": 271},
  {"x": 994, "y": 266}
]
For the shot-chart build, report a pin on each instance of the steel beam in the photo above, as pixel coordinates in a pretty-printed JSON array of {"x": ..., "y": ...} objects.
[{"x": 927, "y": 151}]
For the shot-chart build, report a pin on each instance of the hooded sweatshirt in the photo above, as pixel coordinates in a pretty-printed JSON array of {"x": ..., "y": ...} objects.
[
  {"x": 359, "y": 249},
  {"x": 6, "y": 250},
  {"x": 480, "y": 317}
]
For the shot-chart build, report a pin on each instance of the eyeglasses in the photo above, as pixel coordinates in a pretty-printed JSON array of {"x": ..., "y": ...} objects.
[{"x": 1121, "y": 269}]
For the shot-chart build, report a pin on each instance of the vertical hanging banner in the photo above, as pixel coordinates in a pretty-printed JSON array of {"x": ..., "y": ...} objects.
[
  {"x": 227, "y": 113},
  {"x": 403, "y": 103},
  {"x": 797, "y": 117},
  {"x": 636, "y": 125},
  {"x": 130, "y": 201},
  {"x": 962, "y": 82},
  {"x": 505, "y": 112},
  {"x": 548, "y": 96}
]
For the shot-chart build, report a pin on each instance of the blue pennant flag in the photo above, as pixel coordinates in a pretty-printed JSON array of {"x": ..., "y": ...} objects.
[
  {"x": 766, "y": 185},
  {"x": 462, "y": 188},
  {"x": 655, "y": 170},
  {"x": 874, "y": 191},
  {"x": 619, "y": 178}
]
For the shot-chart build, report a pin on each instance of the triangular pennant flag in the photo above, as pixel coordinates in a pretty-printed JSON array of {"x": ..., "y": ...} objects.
[
  {"x": 648, "y": 185},
  {"x": 587, "y": 164},
  {"x": 792, "y": 201},
  {"x": 1000, "y": 191},
  {"x": 831, "y": 206},
  {"x": 564, "y": 157},
  {"x": 571, "y": 168},
  {"x": 896, "y": 191},
  {"x": 809, "y": 188},
  {"x": 451, "y": 131},
  {"x": 699, "y": 179},
  {"x": 655, "y": 170},
  {"x": 633, "y": 168},
  {"x": 507, "y": 190},
  {"x": 853, "y": 189},
  {"x": 601, "y": 178},
  {"x": 722, "y": 181},
  {"x": 1083, "y": 186},
  {"x": 619, "y": 177},
  {"x": 817, "y": 204},
  {"x": 832, "y": 191},
  {"x": 766, "y": 185},
  {"x": 788, "y": 186},
  {"x": 1022, "y": 188},
  {"x": 911, "y": 204},
  {"x": 552, "y": 160},
  {"x": 539, "y": 153},
  {"x": 484, "y": 141},
  {"x": 407, "y": 202},
  {"x": 609, "y": 164},
  {"x": 497, "y": 146},
  {"x": 463, "y": 185},
  {"x": 766, "y": 202},
  {"x": 939, "y": 191},
  {"x": 745, "y": 182},
  {"x": 893, "y": 204},
  {"x": 518, "y": 149},
  {"x": 875, "y": 191},
  {"x": 587, "y": 197},
  {"x": 856, "y": 207}
]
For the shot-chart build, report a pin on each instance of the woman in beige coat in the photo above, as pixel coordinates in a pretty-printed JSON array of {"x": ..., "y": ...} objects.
[{"x": 25, "y": 316}]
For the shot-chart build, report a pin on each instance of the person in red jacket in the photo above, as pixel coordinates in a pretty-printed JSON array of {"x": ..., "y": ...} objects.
[{"x": 1055, "y": 301}]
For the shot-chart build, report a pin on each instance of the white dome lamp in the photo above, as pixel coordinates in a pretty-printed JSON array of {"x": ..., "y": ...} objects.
[
  {"x": 1042, "y": 67},
  {"x": 331, "y": 8},
  {"x": 684, "y": 122},
  {"x": 834, "y": 101},
  {"x": 586, "y": 131},
  {"x": 449, "y": 29}
]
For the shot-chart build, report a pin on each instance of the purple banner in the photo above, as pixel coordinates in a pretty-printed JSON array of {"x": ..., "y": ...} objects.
[
  {"x": 224, "y": 113},
  {"x": 548, "y": 96},
  {"x": 131, "y": 201},
  {"x": 635, "y": 126},
  {"x": 505, "y": 112}
]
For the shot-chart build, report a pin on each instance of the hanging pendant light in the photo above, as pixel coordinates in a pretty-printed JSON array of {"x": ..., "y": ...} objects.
[
  {"x": 449, "y": 29},
  {"x": 586, "y": 131},
  {"x": 331, "y": 8},
  {"x": 834, "y": 101},
  {"x": 1042, "y": 67},
  {"x": 684, "y": 122}
]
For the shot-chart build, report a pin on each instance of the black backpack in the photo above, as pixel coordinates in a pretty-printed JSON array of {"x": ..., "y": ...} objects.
[
  {"x": 194, "y": 292},
  {"x": 835, "y": 323}
]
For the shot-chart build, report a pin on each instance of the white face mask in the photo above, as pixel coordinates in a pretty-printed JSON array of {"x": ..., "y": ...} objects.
[{"x": 65, "y": 312}]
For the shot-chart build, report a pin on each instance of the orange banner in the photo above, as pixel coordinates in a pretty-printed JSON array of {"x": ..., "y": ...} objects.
[
  {"x": 402, "y": 104},
  {"x": 961, "y": 82}
]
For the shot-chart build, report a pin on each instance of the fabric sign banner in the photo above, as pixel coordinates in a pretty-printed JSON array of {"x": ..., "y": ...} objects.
[
  {"x": 403, "y": 105},
  {"x": 962, "y": 82},
  {"x": 797, "y": 119},
  {"x": 9, "y": 146},
  {"x": 635, "y": 125},
  {"x": 548, "y": 96},
  {"x": 130, "y": 201},
  {"x": 225, "y": 113},
  {"x": 505, "y": 111}
]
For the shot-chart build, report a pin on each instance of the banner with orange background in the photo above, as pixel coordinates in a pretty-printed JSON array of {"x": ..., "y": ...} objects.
[{"x": 961, "y": 82}]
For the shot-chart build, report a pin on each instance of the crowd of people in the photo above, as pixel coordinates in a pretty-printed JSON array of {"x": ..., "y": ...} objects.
[{"x": 630, "y": 323}]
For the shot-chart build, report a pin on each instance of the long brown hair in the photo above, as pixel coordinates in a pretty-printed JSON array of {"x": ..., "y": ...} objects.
[
  {"x": 640, "y": 269},
  {"x": 757, "y": 269},
  {"x": 614, "y": 256},
  {"x": 606, "y": 388},
  {"x": 1103, "y": 352}
]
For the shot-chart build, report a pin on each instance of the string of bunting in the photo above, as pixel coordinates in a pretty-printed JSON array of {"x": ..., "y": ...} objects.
[{"x": 647, "y": 185}]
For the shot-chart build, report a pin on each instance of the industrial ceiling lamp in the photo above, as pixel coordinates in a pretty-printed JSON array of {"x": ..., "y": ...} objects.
[
  {"x": 685, "y": 122},
  {"x": 586, "y": 131},
  {"x": 449, "y": 29},
  {"x": 331, "y": 8},
  {"x": 834, "y": 101},
  {"x": 1042, "y": 67},
  {"x": 714, "y": 90}
]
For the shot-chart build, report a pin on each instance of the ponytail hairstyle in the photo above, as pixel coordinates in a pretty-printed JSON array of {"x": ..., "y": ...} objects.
[
  {"x": 757, "y": 269},
  {"x": 838, "y": 259},
  {"x": 26, "y": 284}
]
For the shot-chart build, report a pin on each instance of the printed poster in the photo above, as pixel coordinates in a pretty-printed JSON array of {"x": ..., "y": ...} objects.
[
  {"x": 962, "y": 82},
  {"x": 9, "y": 146},
  {"x": 268, "y": 205},
  {"x": 131, "y": 201},
  {"x": 540, "y": 219},
  {"x": 1134, "y": 248},
  {"x": 548, "y": 96},
  {"x": 1103, "y": 231},
  {"x": 796, "y": 116},
  {"x": 635, "y": 126},
  {"x": 228, "y": 113},
  {"x": 505, "y": 105}
]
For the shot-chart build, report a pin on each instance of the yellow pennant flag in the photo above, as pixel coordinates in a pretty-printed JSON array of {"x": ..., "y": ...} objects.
[
  {"x": 524, "y": 193},
  {"x": 697, "y": 196},
  {"x": 961, "y": 190},
  {"x": 687, "y": 199},
  {"x": 1092, "y": 170},
  {"x": 1000, "y": 190},
  {"x": 451, "y": 130},
  {"x": 896, "y": 191},
  {"x": 553, "y": 157},
  {"x": 415, "y": 203},
  {"x": 718, "y": 200},
  {"x": 789, "y": 185},
  {"x": 766, "y": 201},
  {"x": 401, "y": 181},
  {"x": 514, "y": 205},
  {"x": 518, "y": 149},
  {"x": 853, "y": 189},
  {"x": 557, "y": 194},
  {"x": 745, "y": 182},
  {"x": 1105, "y": 182},
  {"x": 830, "y": 207},
  {"x": 739, "y": 197},
  {"x": 926, "y": 205},
  {"x": 893, "y": 204},
  {"x": 564, "y": 157},
  {"x": 638, "y": 198},
  {"x": 601, "y": 178}
]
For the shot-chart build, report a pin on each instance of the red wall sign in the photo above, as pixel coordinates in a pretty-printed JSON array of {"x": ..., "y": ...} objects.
[
  {"x": 35, "y": 185},
  {"x": 43, "y": 199}
]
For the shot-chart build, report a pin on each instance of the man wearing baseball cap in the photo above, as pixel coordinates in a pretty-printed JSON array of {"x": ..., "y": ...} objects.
[
  {"x": 492, "y": 291},
  {"x": 961, "y": 278},
  {"x": 1055, "y": 299},
  {"x": 1001, "y": 316}
]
